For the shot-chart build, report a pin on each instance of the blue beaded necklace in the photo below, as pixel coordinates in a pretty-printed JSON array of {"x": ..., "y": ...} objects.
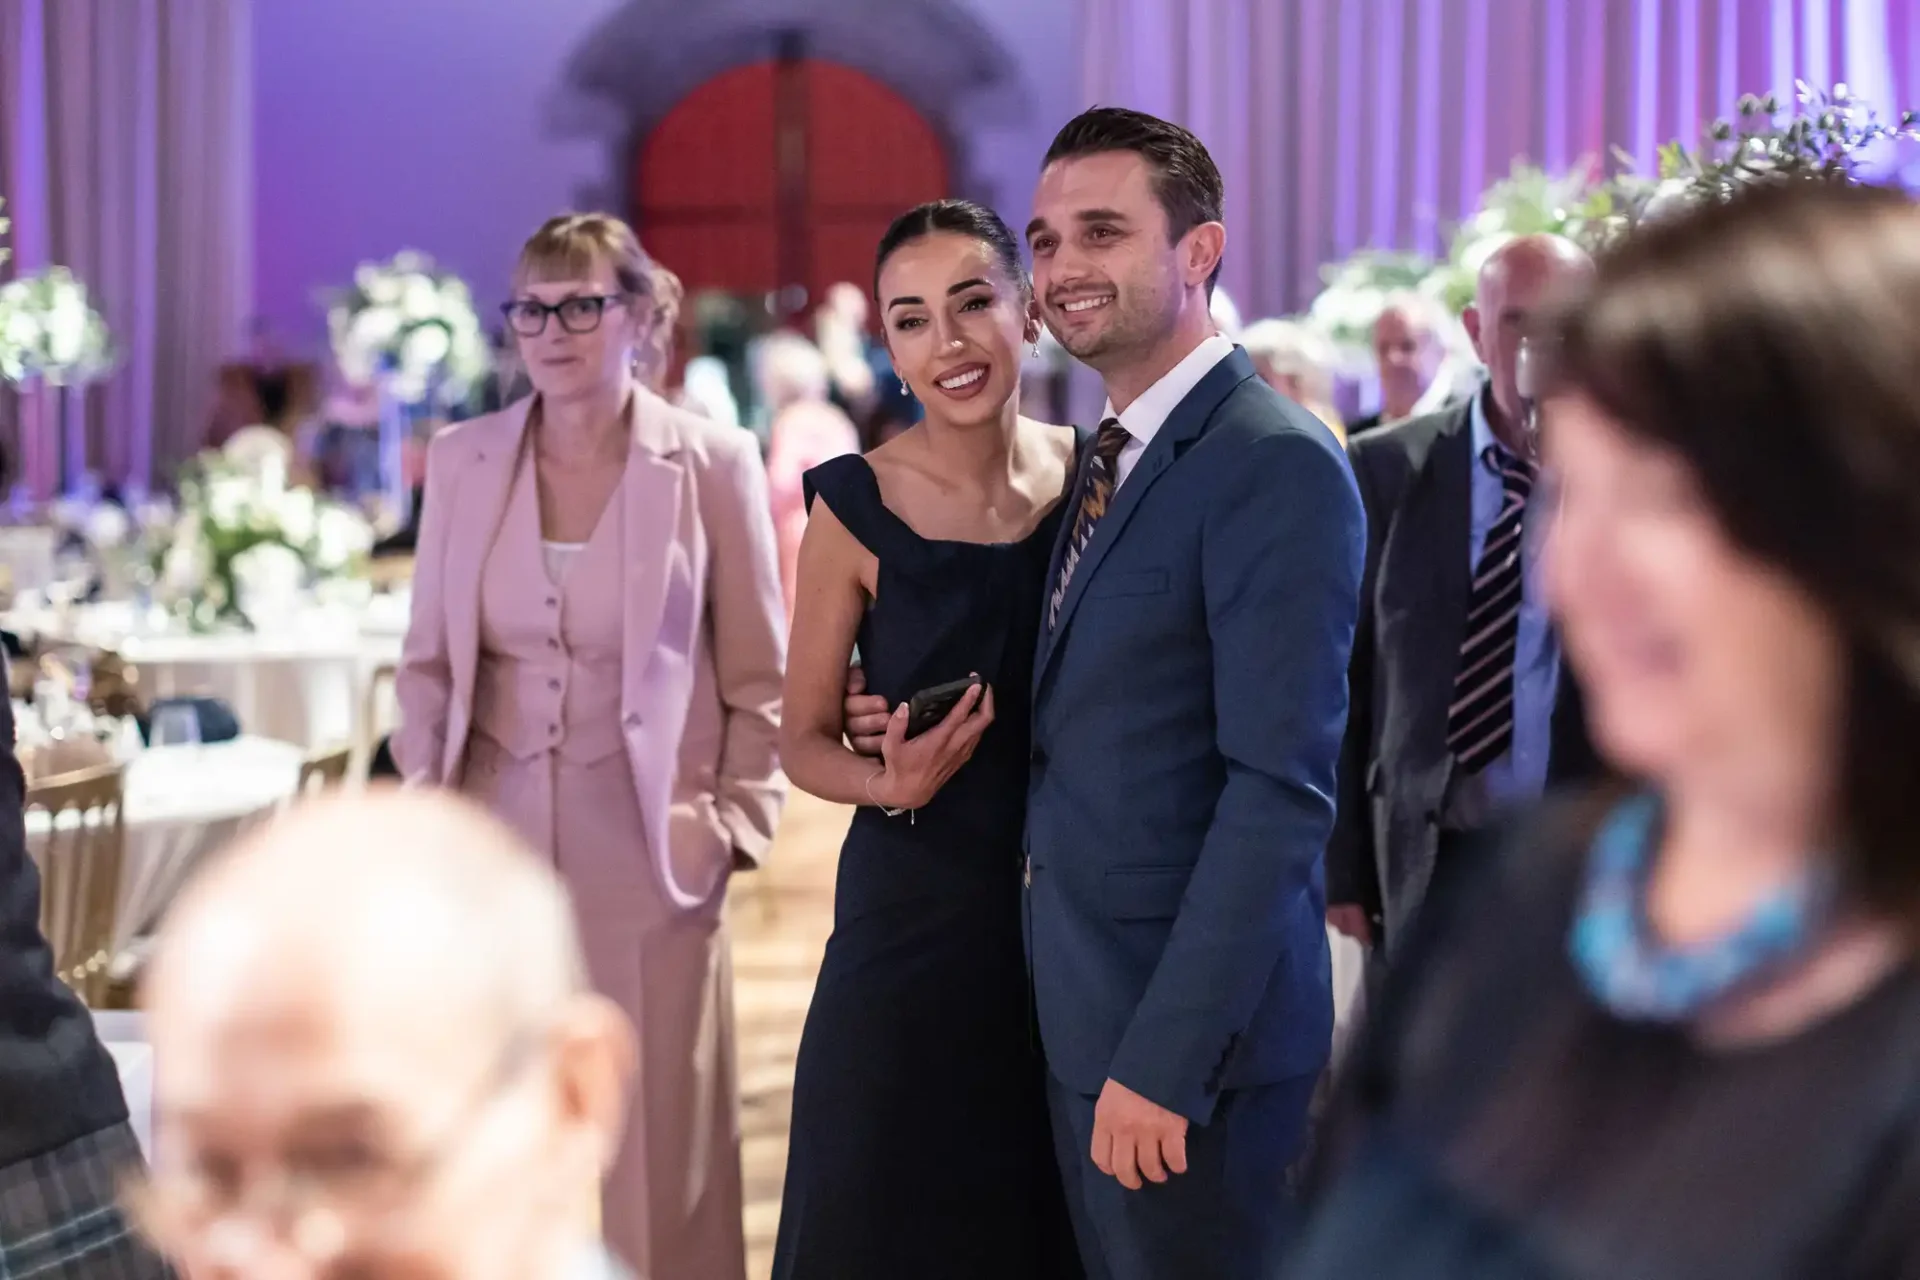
[{"x": 1634, "y": 974}]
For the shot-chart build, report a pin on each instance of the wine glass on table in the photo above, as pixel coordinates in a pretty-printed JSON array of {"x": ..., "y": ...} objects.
[{"x": 175, "y": 724}]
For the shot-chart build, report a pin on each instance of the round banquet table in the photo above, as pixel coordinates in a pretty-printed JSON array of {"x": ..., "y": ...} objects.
[
  {"x": 179, "y": 804},
  {"x": 305, "y": 681}
]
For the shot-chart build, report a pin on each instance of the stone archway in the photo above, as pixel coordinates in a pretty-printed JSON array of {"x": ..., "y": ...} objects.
[{"x": 630, "y": 70}]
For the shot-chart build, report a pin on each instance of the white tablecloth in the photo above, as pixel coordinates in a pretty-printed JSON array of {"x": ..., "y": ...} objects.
[
  {"x": 304, "y": 682},
  {"x": 182, "y": 803}
]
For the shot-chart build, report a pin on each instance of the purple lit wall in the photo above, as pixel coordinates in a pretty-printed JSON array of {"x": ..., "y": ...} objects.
[
  {"x": 1345, "y": 123},
  {"x": 429, "y": 124}
]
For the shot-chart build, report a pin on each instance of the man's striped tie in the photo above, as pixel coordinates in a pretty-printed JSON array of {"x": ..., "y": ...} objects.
[
  {"x": 1103, "y": 470},
  {"x": 1480, "y": 719}
]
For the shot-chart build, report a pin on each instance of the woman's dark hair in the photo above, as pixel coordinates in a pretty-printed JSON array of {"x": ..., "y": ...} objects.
[
  {"x": 953, "y": 217},
  {"x": 1772, "y": 342}
]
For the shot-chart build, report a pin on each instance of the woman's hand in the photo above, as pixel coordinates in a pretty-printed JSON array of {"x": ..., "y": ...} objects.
[
  {"x": 866, "y": 715},
  {"x": 916, "y": 770}
]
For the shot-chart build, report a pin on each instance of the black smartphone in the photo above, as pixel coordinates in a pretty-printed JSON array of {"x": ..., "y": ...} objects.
[{"x": 929, "y": 707}]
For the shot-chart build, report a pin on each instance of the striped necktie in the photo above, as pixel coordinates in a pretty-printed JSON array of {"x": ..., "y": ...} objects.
[
  {"x": 1480, "y": 718},
  {"x": 1103, "y": 470}
]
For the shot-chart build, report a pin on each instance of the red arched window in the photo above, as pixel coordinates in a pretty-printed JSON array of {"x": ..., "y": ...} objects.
[{"x": 784, "y": 173}]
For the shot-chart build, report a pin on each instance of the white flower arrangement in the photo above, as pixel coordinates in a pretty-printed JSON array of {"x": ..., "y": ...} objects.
[
  {"x": 1830, "y": 136},
  {"x": 49, "y": 331},
  {"x": 414, "y": 324},
  {"x": 238, "y": 532}
]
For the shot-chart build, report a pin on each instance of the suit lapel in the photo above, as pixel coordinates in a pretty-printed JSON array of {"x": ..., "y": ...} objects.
[
  {"x": 1188, "y": 420},
  {"x": 651, "y": 493},
  {"x": 481, "y": 498},
  {"x": 1425, "y": 582}
]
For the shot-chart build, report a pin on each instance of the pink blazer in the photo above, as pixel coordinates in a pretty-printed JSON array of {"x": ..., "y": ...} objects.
[{"x": 705, "y": 643}]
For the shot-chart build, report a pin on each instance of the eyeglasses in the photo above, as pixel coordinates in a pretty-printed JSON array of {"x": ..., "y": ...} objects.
[
  {"x": 320, "y": 1201},
  {"x": 528, "y": 316}
]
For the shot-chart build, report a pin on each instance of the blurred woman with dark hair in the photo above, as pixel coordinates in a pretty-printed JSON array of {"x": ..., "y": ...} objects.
[{"x": 1673, "y": 1030}]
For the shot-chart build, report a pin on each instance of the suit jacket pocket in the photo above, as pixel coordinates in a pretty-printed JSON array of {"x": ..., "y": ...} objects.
[
  {"x": 1141, "y": 582},
  {"x": 1146, "y": 893}
]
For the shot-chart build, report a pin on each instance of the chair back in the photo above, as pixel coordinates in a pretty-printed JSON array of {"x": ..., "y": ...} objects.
[
  {"x": 324, "y": 770},
  {"x": 80, "y": 861},
  {"x": 378, "y": 682}
]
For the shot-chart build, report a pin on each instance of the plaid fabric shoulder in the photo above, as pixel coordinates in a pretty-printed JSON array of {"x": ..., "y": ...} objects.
[{"x": 60, "y": 1217}]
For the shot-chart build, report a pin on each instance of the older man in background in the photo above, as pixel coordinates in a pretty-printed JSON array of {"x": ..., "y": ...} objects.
[
  {"x": 1410, "y": 348},
  {"x": 376, "y": 1056},
  {"x": 1460, "y": 708}
]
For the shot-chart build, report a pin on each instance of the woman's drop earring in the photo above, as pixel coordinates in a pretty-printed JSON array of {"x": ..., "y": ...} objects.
[{"x": 905, "y": 390}]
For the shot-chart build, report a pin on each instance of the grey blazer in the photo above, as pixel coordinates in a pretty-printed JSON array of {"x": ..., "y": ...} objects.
[{"x": 1416, "y": 481}]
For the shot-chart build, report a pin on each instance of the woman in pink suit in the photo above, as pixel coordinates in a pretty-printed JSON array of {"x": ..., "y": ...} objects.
[{"x": 596, "y": 654}]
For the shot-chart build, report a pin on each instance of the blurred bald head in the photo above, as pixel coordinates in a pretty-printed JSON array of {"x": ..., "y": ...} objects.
[
  {"x": 1516, "y": 281},
  {"x": 396, "y": 967},
  {"x": 397, "y": 900}
]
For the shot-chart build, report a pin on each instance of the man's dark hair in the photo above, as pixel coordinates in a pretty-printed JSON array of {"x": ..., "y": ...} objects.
[{"x": 1184, "y": 176}]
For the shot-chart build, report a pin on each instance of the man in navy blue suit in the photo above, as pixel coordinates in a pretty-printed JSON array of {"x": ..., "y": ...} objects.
[
  {"x": 1190, "y": 695},
  {"x": 1189, "y": 699}
]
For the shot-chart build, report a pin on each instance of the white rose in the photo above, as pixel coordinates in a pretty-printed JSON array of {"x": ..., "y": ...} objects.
[
  {"x": 382, "y": 288},
  {"x": 374, "y": 329},
  {"x": 184, "y": 568},
  {"x": 419, "y": 299},
  {"x": 65, "y": 323},
  {"x": 295, "y": 513},
  {"x": 425, "y": 347},
  {"x": 228, "y": 500},
  {"x": 108, "y": 526},
  {"x": 340, "y": 535},
  {"x": 267, "y": 578}
]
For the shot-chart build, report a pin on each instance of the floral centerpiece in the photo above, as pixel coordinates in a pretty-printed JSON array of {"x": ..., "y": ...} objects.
[
  {"x": 412, "y": 324},
  {"x": 1576, "y": 204},
  {"x": 1831, "y": 136},
  {"x": 49, "y": 331},
  {"x": 245, "y": 538}
]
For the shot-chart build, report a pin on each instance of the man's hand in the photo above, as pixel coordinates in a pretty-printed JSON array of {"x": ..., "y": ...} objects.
[
  {"x": 1134, "y": 1137},
  {"x": 866, "y": 715},
  {"x": 1351, "y": 920}
]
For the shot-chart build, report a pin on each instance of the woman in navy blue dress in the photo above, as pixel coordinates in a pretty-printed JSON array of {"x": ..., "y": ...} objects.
[{"x": 920, "y": 1141}]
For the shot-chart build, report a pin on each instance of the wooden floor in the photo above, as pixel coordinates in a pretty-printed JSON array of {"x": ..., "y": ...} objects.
[{"x": 781, "y": 917}]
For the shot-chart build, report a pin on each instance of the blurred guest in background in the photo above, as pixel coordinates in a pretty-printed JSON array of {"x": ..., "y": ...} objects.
[
  {"x": 840, "y": 329},
  {"x": 1226, "y": 315},
  {"x": 1459, "y": 705},
  {"x": 806, "y": 430},
  {"x": 65, "y": 1144},
  {"x": 707, "y": 391},
  {"x": 1673, "y": 1029},
  {"x": 861, "y": 378},
  {"x": 1410, "y": 347},
  {"x": 596, "y": 653},
  {"x": 376, "y": 1057},
  {"x": 1298, "y": 363}
]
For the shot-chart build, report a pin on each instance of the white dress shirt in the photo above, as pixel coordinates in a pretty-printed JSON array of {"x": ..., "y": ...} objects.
[{"x": 1145, "y": 416}]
